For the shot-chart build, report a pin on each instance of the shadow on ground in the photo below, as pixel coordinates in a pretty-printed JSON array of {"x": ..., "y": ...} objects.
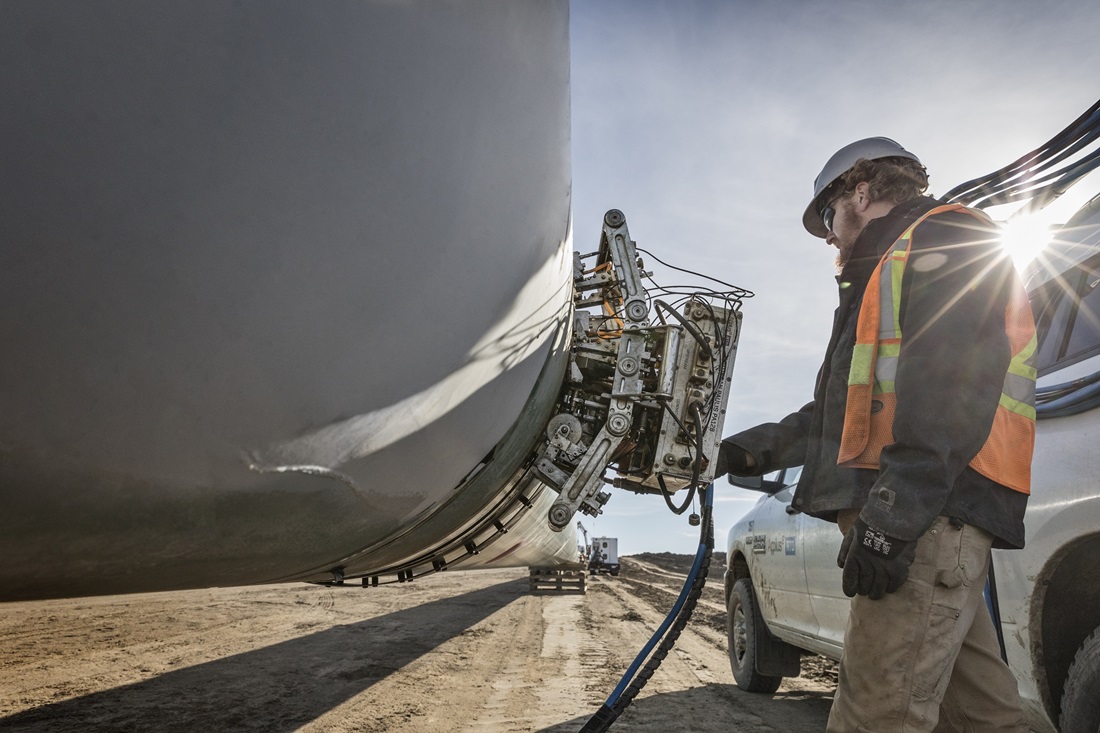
[
  {"x": 720, "y": 708},
  {"x": 279, "y": 687}
]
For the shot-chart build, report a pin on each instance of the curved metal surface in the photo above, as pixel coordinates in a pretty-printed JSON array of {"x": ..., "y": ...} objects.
[{"x": 274, "y": 280}]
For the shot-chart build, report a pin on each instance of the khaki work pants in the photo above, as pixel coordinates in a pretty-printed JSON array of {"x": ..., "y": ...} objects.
[{"x": 926, "y": 658}]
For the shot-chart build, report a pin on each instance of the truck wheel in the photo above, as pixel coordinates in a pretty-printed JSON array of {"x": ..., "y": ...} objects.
[
  {"x": 743, "y": 634},
  {"x": 1081, "y": 695}
]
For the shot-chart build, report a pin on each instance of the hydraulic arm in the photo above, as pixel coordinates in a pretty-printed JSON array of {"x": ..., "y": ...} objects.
[{"x": 644, "y": 395}]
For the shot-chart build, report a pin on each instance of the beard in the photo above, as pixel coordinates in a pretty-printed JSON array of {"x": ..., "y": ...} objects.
[
  {"x": 842, "y": 258},
  {"x": 850, "y": 224}
]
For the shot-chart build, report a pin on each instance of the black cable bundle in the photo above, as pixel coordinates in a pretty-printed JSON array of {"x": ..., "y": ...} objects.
[
  {"x": 1017, "y": 182},
  {"x": 667, "y": 633}
]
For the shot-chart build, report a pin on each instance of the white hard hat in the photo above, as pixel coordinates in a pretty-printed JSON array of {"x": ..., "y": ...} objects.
[{"x": 871, "y": 148}]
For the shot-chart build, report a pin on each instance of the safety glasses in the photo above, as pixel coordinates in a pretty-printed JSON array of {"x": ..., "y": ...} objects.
[{"x": 828, "y": 213}]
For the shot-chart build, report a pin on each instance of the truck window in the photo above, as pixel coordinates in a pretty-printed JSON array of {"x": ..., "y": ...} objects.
[
  {"x": 1067, "y": 317},
  {"x": 1084, "y": 335},
  {"x": 790, "y": 476},
  {"x": 1052, "y": 308}
]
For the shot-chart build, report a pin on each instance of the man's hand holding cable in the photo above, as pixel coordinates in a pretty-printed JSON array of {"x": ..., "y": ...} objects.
[{"x": 874, "y": 564}]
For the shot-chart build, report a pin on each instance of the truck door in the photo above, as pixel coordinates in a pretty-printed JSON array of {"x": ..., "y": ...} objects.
[
  {"x": 777, "y": 562},
  {"x": 823, "y": 578}
]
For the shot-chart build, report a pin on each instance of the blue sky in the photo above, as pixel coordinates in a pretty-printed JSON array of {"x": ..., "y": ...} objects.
[{"x": 706, "y": 123}]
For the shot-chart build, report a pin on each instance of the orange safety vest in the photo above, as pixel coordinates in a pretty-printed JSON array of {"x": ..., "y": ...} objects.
[{"x": 869, "y": 414}]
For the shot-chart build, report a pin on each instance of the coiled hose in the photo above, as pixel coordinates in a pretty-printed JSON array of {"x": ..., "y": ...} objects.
[
  {"x": 1069, "y": 398},
  {"x": 667, "y": 633}
]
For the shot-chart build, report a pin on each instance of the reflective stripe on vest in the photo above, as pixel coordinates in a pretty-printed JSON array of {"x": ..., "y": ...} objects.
[{"x": 869, "y": 414}]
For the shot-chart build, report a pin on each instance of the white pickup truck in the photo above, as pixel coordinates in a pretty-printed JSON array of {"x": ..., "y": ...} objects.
[{"x": 783, "y": 587}]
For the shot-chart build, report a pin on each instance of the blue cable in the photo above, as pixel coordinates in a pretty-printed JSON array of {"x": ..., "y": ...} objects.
[
  {"x": 606, "y": 714},
  {"x": 1073, "y": 397}
]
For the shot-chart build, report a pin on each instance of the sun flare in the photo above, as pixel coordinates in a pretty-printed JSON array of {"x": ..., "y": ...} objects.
[{"x": 1024, "y": 237}]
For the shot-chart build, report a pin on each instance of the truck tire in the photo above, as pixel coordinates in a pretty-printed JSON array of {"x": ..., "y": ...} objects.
[
  {"x": 743, "y": 629},
  {"x": 1081, "y": 694}
]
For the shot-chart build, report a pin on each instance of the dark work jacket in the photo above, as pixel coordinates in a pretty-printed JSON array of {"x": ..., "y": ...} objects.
[{"x": 954, "y": 355}]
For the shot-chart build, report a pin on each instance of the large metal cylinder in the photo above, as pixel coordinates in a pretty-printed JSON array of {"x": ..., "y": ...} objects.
[{"x": 274, "y": 279}]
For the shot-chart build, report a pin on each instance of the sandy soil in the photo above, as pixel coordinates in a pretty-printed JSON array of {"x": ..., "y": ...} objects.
[{"x": 457, "y": 651}]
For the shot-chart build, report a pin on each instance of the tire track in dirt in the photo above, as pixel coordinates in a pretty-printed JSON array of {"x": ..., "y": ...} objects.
[
  {"x": 658, "y": 580},
  {"x": 697, "y": 670}
]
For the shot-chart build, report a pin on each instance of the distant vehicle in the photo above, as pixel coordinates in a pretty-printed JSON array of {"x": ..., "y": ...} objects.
[
  {"x": 583, "y": 550},
  {"x": 783, "y": 587},
  {"x": 604, "y": 556}
]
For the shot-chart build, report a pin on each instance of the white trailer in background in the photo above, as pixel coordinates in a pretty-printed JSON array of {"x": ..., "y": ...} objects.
[{"x": 604, "y": 555}]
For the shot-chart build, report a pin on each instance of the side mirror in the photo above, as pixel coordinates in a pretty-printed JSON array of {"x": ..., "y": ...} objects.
[{"x": 756, "y": 483}]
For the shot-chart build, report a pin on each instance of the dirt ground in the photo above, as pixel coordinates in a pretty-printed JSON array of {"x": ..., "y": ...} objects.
[{"x": 456, "y": 651}]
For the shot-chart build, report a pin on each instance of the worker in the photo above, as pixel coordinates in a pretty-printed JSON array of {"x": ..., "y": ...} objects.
[{"x": 917, "y": 443}]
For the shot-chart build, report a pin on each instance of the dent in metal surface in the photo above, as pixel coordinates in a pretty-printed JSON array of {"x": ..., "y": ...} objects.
[{"x": 540, "y": 306}]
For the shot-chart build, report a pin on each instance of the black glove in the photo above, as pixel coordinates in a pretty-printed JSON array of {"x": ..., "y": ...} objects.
[
  {"x": 731, "y": 459},
  {"x": 874, "y": 564}
]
